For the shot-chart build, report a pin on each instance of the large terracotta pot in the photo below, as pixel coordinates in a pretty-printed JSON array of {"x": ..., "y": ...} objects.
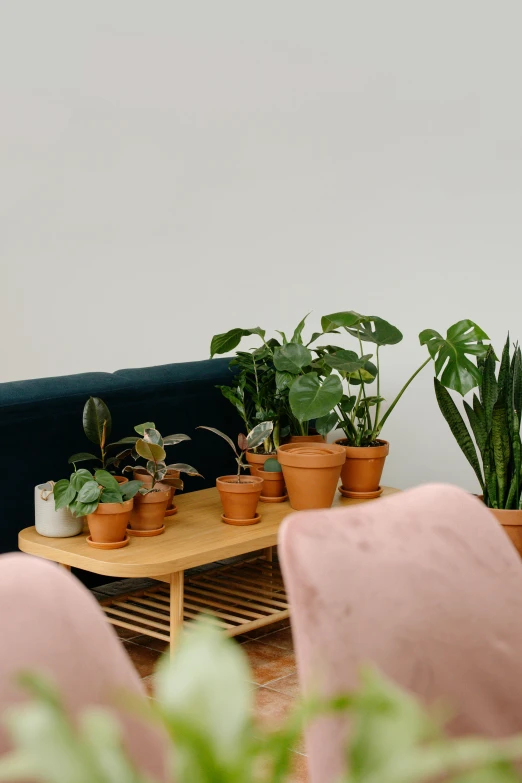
[
  {"x": 311, "y": 472},
  {"x": 362, "y": 471},
  {"x": 256, "y": 461},
  {"x": 307, "y": 438},
  {"x": 273, "y": 485},
  {"x": 511, "y": 521},
  {"x": 108, "y": 524},
  {"x": 148, "y": 514},
  {"x": 239, "y": 498}
]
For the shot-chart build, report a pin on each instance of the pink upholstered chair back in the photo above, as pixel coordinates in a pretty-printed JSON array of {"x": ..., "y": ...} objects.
[{"x": 426, "y": 586}]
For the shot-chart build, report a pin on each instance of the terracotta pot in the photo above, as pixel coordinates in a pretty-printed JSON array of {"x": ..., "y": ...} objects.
[
  {"x": 239, "y": 499},
  {"x": 121, "y": 479},
  {"x": 362, "y": 470},
  {"x": 273, "y": 484},
  {"x": 307, "y": 438},
  {"x": 146, "y": 478},
  {"x": 108, "y": 524},
  {"x": 149, "y": 510},
  {"x": 311, "y": 472},
  {"x": 511, "y": 521},
  {"x": 256, "y": 461}
]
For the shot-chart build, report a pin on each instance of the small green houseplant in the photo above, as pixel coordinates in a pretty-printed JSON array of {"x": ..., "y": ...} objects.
[
  {"x": 492, "y": 444},
  {"x": 204, "y": 703},
  {"x": 97, "y": 426},
  {"x": 159, "y": 479},
  {"x": 240, "y": 494},
  {"x": 106, "y": 503}
]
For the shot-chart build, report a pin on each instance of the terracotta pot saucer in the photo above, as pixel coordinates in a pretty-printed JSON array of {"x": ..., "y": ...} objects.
[
  {"x": 347, "y": 493},
  {"x": 171, "y": 511},
  {"x": 146, "y": 533},
  {"x": 111, "y": 545},
  {"x": 279, "y": 499},
  {"x": 252, "y": 521}
]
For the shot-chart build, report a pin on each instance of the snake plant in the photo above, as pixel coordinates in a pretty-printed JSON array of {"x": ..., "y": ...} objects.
[{"x": 494, "y": 420}]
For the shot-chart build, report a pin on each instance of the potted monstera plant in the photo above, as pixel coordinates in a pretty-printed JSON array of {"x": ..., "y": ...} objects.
[
  {"x": 494, "y": 417},
  {"x": 358, "y": 413}
]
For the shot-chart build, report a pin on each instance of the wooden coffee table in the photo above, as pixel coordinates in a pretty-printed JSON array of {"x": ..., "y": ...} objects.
[{"x": 241, "y": 597}]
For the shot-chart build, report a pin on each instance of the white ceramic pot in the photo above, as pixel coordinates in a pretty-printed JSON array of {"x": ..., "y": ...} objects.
[{"x": 48, "y": 521}]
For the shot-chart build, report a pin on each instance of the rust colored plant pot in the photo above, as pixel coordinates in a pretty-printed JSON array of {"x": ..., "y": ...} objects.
[
  {"x": 121, "y": 479},
  {"x": 273, "y": 484},
  {"x": 108, "y": 524},
  {"x": 363, "y": 468},
  {"x": 239, "y": 499},
  {"x": 307, "y": 438},
  {"x": 149, "y": 510},
  {"x": 311, "y": 472},
  {"x": 511, "y": 521},
  {"x": 256, "y": 461},
  {"x": 146, "y": 478}
]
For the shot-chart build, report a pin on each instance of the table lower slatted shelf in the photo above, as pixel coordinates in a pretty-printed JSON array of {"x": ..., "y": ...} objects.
[{"x": 240, "y": 597}]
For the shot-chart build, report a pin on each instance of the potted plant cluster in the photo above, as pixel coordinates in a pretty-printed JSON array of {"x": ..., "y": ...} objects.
[
  {"x": 492, "y": 444},
  {"x": 106, "y": 503},
  {"x": 240, "y": 494}
]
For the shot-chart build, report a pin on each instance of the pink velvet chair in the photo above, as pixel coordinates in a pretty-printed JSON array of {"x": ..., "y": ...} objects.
[{"x": 426, "y": 586}]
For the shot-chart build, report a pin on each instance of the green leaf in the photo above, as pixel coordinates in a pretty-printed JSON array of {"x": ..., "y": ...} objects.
[
  {"x": 89, "y": 493},
  {"x": 456, "y": 371},
  {"x": 80, "y": 509},
  {"x": 63, "y": 494},
  {"x": 150, "y": 451},
  {"x": 260, "y": 432},
  {"x": 109, "y": 496},
  {"x": 517, "y": 382},
  {"x": 140, "y": 428},
  {"x": 376, "y": 330},
  {"x": 325, "y": 424},
  {"x": 95, "y": 415},
  {"x": 309, "y": 399},
  {"x": 107, "y": 481},
  {"x": 82, "y": 456},
  {"x": 292, "y": 358},
  {"x": 118, "y": 458},
  {"x": 223, "y": 343},
  {"x": 80, "y": 477},
  {"x": 367, "y": 375},
  {"x": 129, "y": 489},
  {"x": 477, "y": 425},
  {"x": 152, "y": 435},
  {"x": 501, "y": 449},
  {"x": 297, "y": 336},
  {"x": 182, "y": 467},
  {"x": 171, "y": 440},
  {"x": 346, "y": 362},
  {"x": 457, "y": 426},
  {"x": 489, "y": 386},
  {"x": 347, "y": 403},
  {"x": 284, "y": 380},
  {"x": 221, "y": 435},
  {"x": 124, "y": 441},
  {"x": 348, "y": 318},
  {"x": 503, "y": 380}
]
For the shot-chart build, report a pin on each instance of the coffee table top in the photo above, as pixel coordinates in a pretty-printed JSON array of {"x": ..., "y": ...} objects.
[{"x": 193, "y": 537}]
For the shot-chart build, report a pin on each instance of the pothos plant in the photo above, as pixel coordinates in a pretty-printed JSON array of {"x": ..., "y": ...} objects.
[
  {"x": 357, "y": 412},
  {"x": 244, "y": 442},
  {"x": 83, "y": 492},
  {"x": 494, "y": 418},
  {"x": 298, "y": 388},
  {"x": 151, "y": 447},
  {"x": 204, "y": 704}
]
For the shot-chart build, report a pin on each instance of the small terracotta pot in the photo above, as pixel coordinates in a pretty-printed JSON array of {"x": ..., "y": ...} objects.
[
  {"x": 121, "y": 479},
  {"x": 273, "y": 484},
  {"x": 257, "y": 461},
  {"x": 311, "y": 472},
  {"x": 239, "y": 499},
  {"x": 108, "y": 524},
  {"x": 149, "y": 510},
  {"x": 511, "y": 521},
  {"x": 307, "y": 438},
  {"x": 363, "y": 468}
]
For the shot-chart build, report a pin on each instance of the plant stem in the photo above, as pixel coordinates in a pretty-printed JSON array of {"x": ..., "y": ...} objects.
[
  {"x": 396, "y": 400},
  {"x": 378, "y": 406}
]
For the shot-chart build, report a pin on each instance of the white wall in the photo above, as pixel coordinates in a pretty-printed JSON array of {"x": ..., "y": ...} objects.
[{"x": 172, "y": 169}]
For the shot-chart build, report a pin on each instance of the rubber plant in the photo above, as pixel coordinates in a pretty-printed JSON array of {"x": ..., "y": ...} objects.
[
  {"x": 97, "y": 426},
  {"x": 358, "y": 413},
  {"x": 494, "y": 417},
  {"x": 204, "y": 706},
  {"x": 291, "y": 361},
  {"x": 150, "y": 446}
]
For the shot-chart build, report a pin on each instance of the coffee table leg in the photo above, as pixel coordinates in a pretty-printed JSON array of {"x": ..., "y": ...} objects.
[
  {"x": 269, "y": 554},
  {"x": 176, "y": 607}
]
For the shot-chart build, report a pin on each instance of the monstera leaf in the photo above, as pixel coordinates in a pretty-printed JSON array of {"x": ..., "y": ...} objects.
[
  {"x": 456, "y": 371},
  {"x": 346, "y": 362},
  {"x": 311, "y": 399},
  {"x": 349, "y": 318},
  {"x": 368, "y": 328}
]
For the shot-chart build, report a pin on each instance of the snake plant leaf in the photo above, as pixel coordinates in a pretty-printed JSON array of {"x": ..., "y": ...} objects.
[
  {"x": 292, "y": 357},
  {"x": 297, "y": 336},
  {"x": 501, "y": 449},
  {"x": 260, "y": 432},
  {"x": 376, "y": 330},
  {"x": 456, "y": 371},
  {"x": 489, "y": 386},
  {"x": 504, "y": 379},
  {"x": 223, "y": 343},
  {"x": 346, "y": 362},
  {"x": 221, "y": 435},
  {"x": 477, "y": 426},
  {"x": 106, "y": 480},
  {"x": 311, "y": 399},
  {"x": 517, "y": 382},
  {"x": 182, "y": 467},
  {"x": 150, "y": 451},
  {"x": 97, "y": 422},
  {"x": 490, "y": 477},
  {"x": 346, "y": 319},
  {"x": 82, "y": 456},
  {"x": 326, "y": 424},
  {"x": 152, "y": 435},
  {"x": 140, "y": 428},
  {"x": 457, "y": 426}
]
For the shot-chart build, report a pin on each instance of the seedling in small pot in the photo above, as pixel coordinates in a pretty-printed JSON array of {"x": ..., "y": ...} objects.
[
  {"x": 97, "y": 425},
  {"x": 254, "y": 438}
]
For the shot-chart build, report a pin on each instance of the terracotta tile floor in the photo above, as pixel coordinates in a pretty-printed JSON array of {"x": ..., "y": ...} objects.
[{"x": 271, "y": 655}]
